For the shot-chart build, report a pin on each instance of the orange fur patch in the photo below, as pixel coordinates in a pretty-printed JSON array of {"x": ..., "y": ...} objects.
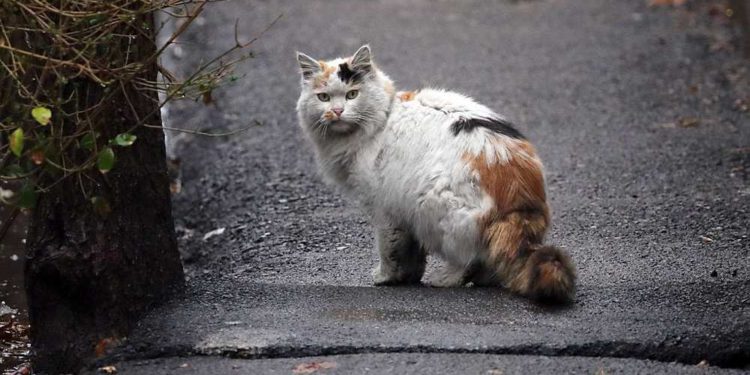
[
  {"x": 322, "y": 78},
  {"x": 549, "y": 273},
  {"x": 517, "y": 184},
  {"x": 514, "y": 229},
  {"x": 328, "y": 115},
  {"x": 520, "y": 216},
  {"x": 406, "y": 96}
]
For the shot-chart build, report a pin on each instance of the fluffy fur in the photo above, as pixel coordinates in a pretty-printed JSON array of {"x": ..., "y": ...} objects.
[{"x": 439, "y": 174}]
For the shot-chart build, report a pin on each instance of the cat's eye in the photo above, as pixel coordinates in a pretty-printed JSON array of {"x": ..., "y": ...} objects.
[
  {"x": 324, "y": 97},
  {"x": 352, "y": 94}
]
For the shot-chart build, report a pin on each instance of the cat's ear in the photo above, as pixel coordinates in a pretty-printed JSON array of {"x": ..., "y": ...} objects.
[
  {"x": 307, "y": 65},
  {"x": 362, "y": 59}
]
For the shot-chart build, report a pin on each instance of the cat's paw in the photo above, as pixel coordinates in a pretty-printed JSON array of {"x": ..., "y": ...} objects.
[
  {"x": 381, "y": 278},
  {"x": 447, "y": 278}
]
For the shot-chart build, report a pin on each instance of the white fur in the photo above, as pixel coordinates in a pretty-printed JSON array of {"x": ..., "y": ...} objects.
[{"x": 406, "y": 168}]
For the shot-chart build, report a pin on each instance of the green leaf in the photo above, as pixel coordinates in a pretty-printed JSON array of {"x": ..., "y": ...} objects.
[
  {"x": 41, "y": 115},
  {"x": 87, "y": 141},
  {"x": 27, "y": 197},
  {"x": 16, "y": 142},
  {"x": 106, "y": 160},
  {"x": 101, "y": 206},
  {"x": 124, "y": 139}
]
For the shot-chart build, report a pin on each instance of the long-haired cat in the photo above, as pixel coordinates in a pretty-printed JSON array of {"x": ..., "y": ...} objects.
[{"x": 438, "y": 174}]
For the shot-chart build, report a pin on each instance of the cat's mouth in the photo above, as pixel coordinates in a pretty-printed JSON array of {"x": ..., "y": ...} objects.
[{"x": 341, "y": 127}]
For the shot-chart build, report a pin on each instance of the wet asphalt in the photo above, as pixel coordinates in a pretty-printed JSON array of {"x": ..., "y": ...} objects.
[{"x": 636, "y": 112}]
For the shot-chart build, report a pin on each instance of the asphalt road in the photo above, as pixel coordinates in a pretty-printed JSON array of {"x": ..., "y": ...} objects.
[{"x": 633, "y": 109}]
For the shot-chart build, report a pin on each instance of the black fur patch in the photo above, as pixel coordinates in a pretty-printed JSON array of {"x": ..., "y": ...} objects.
[
  {"x": 347, "y": 75},
  {"x": 498, "y": 126}
]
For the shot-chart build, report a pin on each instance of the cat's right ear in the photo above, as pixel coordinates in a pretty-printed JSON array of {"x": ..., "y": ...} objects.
[{"x": 308, "y": 66}]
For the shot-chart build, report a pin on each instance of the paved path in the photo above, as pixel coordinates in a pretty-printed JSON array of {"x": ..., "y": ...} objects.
[{"x": 653, "y": 206}]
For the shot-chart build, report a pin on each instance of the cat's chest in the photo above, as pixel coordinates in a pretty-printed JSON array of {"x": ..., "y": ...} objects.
[{"x": 413, "y": 149}]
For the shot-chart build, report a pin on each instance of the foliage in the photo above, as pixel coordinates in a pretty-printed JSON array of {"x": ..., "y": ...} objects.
[{"x": 52, "y": 126}]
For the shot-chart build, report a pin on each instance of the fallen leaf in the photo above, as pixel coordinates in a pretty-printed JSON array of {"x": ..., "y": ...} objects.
[
  {"x": 667, "y": 125},
  {"x": 688, "y": 122},
  {"x": 721, "y": 45},
  {"x": 658, "y": 3},
  {"x": 707, "y": 239},
  {"x": 175, "y": 186},
  {"x": 309, "y": 368},
  {"x": 215, "y": 232},
  {"x": 108, "y": 369},
  {"x": 742, "y": 105},
  {"x": 23, "y": 370},
  {"x": 104, "y": 344}
]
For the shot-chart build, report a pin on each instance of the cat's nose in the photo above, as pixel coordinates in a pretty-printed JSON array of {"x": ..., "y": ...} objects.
[{"x": 337, "y": 111}]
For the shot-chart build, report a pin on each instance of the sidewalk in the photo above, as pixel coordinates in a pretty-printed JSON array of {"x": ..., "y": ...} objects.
[{"x": 634, "y": 111}]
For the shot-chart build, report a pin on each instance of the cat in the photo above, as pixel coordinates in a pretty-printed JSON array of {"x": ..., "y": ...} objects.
[{"x": 438, "y": 174}]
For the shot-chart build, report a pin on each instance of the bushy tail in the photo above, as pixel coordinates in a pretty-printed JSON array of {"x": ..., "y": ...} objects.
[
  {"x": 525, "y": 266},
  {"x": 547, "y": 275}
]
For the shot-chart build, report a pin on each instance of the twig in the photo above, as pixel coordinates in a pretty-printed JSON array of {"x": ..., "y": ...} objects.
[
  {"x": 8, "y": 222},
  {"x": 198, "y": 132}
]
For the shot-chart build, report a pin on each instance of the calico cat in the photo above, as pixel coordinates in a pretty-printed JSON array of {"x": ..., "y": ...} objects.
[{"x": 438, "y": 174}]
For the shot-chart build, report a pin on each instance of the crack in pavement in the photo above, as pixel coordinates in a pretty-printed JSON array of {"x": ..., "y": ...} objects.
[
  {"x": 254, "y": 321},
  {"x": 716, "y": 354}
]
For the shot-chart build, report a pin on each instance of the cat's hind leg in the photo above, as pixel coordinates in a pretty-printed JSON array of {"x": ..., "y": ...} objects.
[
  {"x": 449, "y": 276},
  {"x": 402, "y": 259}
]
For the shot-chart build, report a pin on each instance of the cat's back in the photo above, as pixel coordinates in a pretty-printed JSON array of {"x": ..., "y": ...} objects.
[
  {"x": 448, "y": 123},
  {"x": 449, "y": 103},
  {"x": 438, "y": 139}
]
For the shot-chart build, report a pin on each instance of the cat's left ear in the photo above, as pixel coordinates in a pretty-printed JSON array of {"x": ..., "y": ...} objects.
[
  {"x": 362, "y": 59},
  {"x": 308, "y": 66}
]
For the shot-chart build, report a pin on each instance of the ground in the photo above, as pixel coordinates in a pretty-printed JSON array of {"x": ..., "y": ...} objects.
[{"x": 637, "y": 112}]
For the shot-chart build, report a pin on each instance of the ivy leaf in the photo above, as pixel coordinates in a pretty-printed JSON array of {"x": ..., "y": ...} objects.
[
  {"x": 16, "y": 142},
  {"x": 87, "y": 141},
  {"x": 106, "y": 160},
  {"x": 124, "y": 139},
  {"x": 27, "y": 197},
  {"x": 42, "y": 115}
]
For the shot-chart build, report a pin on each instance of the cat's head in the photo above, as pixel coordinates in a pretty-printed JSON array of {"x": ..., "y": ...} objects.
[{"x": 343, "y": 96}]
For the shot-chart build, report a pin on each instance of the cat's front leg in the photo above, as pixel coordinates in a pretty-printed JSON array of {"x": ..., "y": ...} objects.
[{"x": 402, "y": 260}]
